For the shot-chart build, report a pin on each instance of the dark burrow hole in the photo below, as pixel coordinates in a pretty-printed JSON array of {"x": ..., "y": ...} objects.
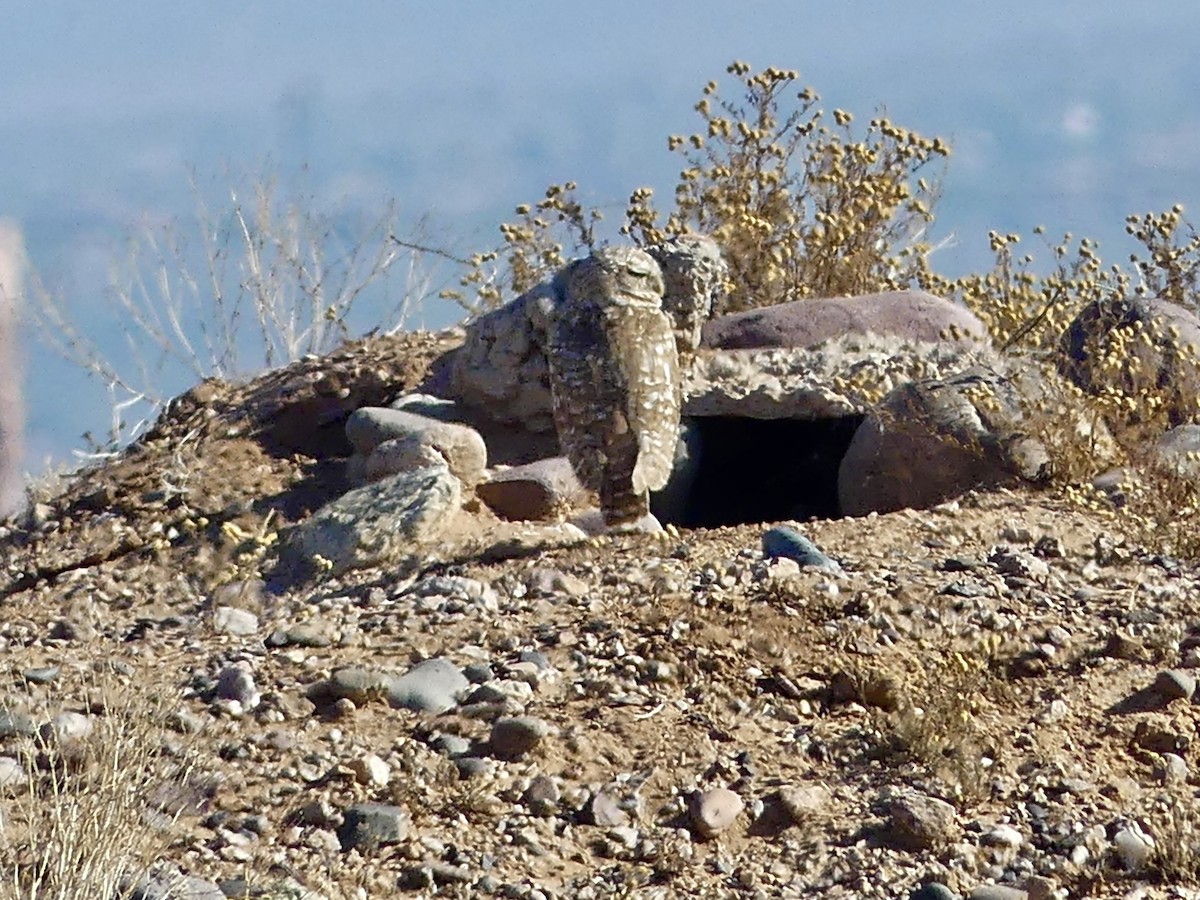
[{"x": 743, "y": 471}]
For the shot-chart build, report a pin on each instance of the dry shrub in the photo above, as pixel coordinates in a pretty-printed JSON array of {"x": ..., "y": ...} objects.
[
  {"x": 1174, "y": 822},
  {"x": 800, "y": 206},
  {"x": 94, "y": 815},
  {"x": 940, "y": 722},
  {"x": 261, "y": 282}
]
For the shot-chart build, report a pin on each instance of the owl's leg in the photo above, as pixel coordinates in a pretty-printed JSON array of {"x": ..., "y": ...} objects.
[{"x": 620, "y": 503}]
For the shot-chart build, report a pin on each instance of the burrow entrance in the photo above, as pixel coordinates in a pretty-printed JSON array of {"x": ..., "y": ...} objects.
[{"x": 757, "y": 470}]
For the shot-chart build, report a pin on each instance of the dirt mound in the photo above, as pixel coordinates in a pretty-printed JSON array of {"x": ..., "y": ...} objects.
[{"x": 1005, "y": 654}]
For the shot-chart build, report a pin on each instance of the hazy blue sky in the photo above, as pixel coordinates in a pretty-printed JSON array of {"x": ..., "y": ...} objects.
[{"x": 1066, "y": 113}]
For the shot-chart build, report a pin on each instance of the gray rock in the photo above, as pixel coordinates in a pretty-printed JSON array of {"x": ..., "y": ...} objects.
[
  {"x": 516, "y": 736},
  {"x": 12, "y": 772},
  {"x": 379, "y": 523},
  {"x": 367, "y": 826},
  {"x": 543, "y": 490},
  {"x": 14, "y": 723},
  {"x": 843, "y": 377},
  {"x": 914, "y": 316},
  {"x": 713, "y": 811},
  {"x": 166, "y": 882},
  {"x": 304, "y": 634},
  {"x": 804, "y": 803},
  {"x": 931, "y": 440},
  {"x": 353, "y": 683},
  {"x": 461, "y": 446},
  {"x": 237, "y": 683},
  {"x": 41, "y": 675},
  {"x": 230, "y": 620},
  {"x": 1174, "y": 684},
  {"x": 1173, "y": 448},
  {"x": 933, "y": 891},
  {"x": 500, "y": 373},
  {"x": 1165, "y": 364},
  {"x": 784, "y": 542},
  {"x": 997, "y": 892},
  {"x": 1134, "y": 847},
  {"x": 542, "y": 796},
  {"x": 398, "y": 455},
  {"x": 471, "y": 766},
  {"x": 68, "y": 726},
  {"x": 918, "y": 822},
  {"x": 431, "y": 686},
  {"x": 607, "y": 811}
]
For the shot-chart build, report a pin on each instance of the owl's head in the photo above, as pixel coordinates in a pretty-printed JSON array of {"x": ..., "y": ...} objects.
[{"x": 619, "y": 276}]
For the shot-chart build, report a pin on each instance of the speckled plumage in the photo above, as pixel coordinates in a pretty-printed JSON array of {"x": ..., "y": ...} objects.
[
  {"x": 614, "y": 378},
  {"x": 694, "y": 274}
]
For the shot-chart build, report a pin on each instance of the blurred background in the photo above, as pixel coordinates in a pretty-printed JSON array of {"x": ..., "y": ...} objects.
[{"x": 118, "y": 122}]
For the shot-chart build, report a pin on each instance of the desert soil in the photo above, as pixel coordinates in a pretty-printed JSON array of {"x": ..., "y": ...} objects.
[{"x": 978, "y": 696}]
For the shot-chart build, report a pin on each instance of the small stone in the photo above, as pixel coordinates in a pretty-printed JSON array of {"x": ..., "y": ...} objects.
[
  {"x": 372, "y": 770},
  {"x": 543, "y": 490},
  {"x": 920, "y": 822},
  {"x": 231, "y": 620},
  {"x": 933, "y": 891},
  {"x": 68, "y": 726},
  {"x": 1134, "y": 846},
  {"x": 368, "y": 825},
  {"x": 15, "y": 724},
  {"x": 788, "y": 543},
  {"x": 470, "y": 766},
  {"x": 1002, "y": 836},
  {"x": 1039, "y": 887},
  {"x": 713, "y": 811},
  {"x": 12, "y": 772},
  {"x": 478, "y": 673},
  {"x": 42, "y": 675},
  {"x": 305, "y": 634},
  {"x": 237, "y": 683},
  {"x": 431, "y": 686},
  {"x": 1174, "y": 684},
  {"x": 451, "y": 744},
  {"x": 997, "y": 892},
  {"x": 1175, "y": 768},
  {"x": 514, "y": 737},
  {"x": 542, "y": 796},
  {"x": 804, "y": 803},
  {"x": 606, "y": 811},
  {"x": 354, "y": 683}
]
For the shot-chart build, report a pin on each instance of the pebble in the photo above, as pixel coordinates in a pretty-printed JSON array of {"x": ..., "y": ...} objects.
[
  {"x": 305, "y": 634},
  {"x": 933, "y": 891},
  {"x": 515, "y": 736},
  {"x": 606, "y": 810},
  {"x": 68, "y": 726},
  {"x": 431, "y": 686},
  {"x": 11, "y": 772},
  {"x": 804, "y": 803},
  {"x": 372, "y": 770},
  {"x": 542, "y": 796},
  {"x": 997, "y": 892},
  {"x": 1174, "y": 684},
  {"x": 368, "y": 825},
  {"x": 920, "y": 822},
  {"x": 470, "y": 766},
  {"x": 451, "y": 744},
  {"x": 14, "y": 723},
  {"x": 166, "y": 882},
  {"x": 713, "y": 811},
  {"x": 1134, "y": 846},
  {"x": 42, "y": 675},
  {"x": 1002, "y": 836},
  {"x": 788, "y": 543},
  {"x": 236, "y": 683},
  {"x": 231, "y": 620}
]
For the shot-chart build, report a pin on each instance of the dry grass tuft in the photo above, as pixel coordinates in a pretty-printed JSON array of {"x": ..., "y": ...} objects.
[{"x": 92, "y": 815}]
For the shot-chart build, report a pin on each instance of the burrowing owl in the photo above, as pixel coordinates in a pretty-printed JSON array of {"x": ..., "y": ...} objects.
[
  {"x": 614, "y": 377},
  {"x": 694, "y": 275}
]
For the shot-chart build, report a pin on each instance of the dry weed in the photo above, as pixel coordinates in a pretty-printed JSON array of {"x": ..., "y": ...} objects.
[{"x": 95, "y": 814}]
